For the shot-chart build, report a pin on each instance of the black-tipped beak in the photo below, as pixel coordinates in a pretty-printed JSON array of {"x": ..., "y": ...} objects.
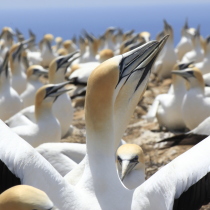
[
  {"x": 55, "y": 91},
  {"x": 140, "y": 59},
  {"x": 65, "y": 61}
]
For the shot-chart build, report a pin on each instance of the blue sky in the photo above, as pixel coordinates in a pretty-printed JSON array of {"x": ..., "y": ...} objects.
[{"x": 85, "y": 3}]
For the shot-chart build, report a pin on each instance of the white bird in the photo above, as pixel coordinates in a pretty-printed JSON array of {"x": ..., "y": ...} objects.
[
  {"x": 70, "y": 46},
  {"x": 57, "y": 71},
  {"x": 19, "y": 81},
  {"x": 196, "y": 54},
  {"x": 6, "y": 37},
  {"x": 91, "y": 49},
  {"x": 121, "y": 113},
  {"x": 127, "y": 73},
  {"x": 131, "y": 166},
  {"x": 23, "y": 197},
  {"x": 33, "y": 84},
  {"x": 166, "y": 108},
  {"x": 185, "y": 43},
  {"x": 108, "y": 35},
  {"x": 47, "y": 53},
  {"x": 195, "y": 105},
  {"x": 204, "y": 65},
  {"x": 10, "y": 102},
  {"x": 167, "y": 58},
  {"x": 46, "y": 127}
]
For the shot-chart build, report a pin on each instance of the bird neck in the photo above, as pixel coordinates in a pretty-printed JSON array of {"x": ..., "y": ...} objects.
[
  {"x": 58, "y": 77},
  {"x": 43, "y": 111},
  {"x": 99, "y": 115},
  {"x": 178, "y": 84}
]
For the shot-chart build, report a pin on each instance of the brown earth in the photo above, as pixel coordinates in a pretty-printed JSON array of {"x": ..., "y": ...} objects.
[{"x": 139, "y": 131}]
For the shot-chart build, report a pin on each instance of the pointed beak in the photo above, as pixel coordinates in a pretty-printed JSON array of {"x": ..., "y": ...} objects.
[
  {"x": 140, "y": 59},
  {"x": 56, "y": 90},
  {"x": 40, "y": 72},
  {"x": 127, "y": 167},
  {"x": 185, "y": 74},
  {"x": 18, "y": 51},
  {"x": 4, "y": 65},
  {"x": 65, "y": 61}
]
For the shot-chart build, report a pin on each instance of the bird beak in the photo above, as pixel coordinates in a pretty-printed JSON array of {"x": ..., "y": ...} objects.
[
  {"x": 185, "y": 65},
  {"x": 17, "y": 53},
  {"x": 40, "y": 72},
  {"x": 65, "y": 61},
  {"x": 55, "y": 91},
  {"x": 140, "y": 59},
  {"x": 127, "y": 167},
  {"x": 4, "y": 65},
  {"x": 185, "y": 74}
]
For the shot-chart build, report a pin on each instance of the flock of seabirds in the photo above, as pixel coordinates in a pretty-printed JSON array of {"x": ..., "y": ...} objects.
[{"x": 111, "y": 72}]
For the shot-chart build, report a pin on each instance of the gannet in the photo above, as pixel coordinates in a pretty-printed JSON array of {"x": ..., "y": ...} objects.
[
  {"x": 91, "y": 49},
  {"x": 168, "y": 188},
  {"x": 195, "y": 105},
  {"x": 128, "y": 34},
  {"x": 185, "y": 43},
  {"x": 10, "y": 102},
  {"x": 108, "y": 35},
  {"x": 7, "y": 35},
  {"x": 33, "y": 84},
  {"x": 62, "y": 108},
  {"x": 167, "y": 58},
  {"x": 122, "y": 110},
  {"x": 131, "y": 166},
  {"x": 196, "y": 54},
  {"x": 144, "y": 36},
  {"x": 32, "y": 44},
  {"x": 204, "y": 65},
  {"x": 128, "y": 73},
  {"x": 57, "y": 71},
  {"x": 166, "y": 108},
  {"x": 58, "y": 45},
  {"x": 117, "y": 39},
  {"x": 24, "y": 197},
  {"x": 19, "y": 81},
  {"x": 47, "y": 53},
  {"x": 46, "y": 127},
  {"x": 70, "y": 46},
  {"x": 19, "y": 35}
]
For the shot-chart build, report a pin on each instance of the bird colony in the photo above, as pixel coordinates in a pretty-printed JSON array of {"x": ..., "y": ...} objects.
[{"x": 102, "y": 122}]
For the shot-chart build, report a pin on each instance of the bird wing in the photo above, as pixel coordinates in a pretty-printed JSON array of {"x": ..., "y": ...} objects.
[{"x": 182, "y": 184}]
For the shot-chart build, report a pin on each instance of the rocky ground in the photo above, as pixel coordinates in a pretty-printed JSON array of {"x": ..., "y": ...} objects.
[{"x": 139, "y": 131}]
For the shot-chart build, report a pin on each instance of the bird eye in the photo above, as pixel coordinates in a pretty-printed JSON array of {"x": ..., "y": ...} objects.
[
  {"x": 135, "y": 159},
  {"x": 119, "y": 159}
]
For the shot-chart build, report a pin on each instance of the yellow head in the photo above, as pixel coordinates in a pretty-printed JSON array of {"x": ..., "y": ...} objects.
[
  {"x": 130, "y": 157},
  {"x": 23, "y": 197},
  {"x": 106, "y": 54}
]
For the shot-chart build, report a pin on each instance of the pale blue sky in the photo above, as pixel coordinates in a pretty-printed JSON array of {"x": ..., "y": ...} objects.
[{"x": 84, "y": 3}]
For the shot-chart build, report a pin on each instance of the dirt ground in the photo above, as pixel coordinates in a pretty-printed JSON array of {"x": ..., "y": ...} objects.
[{"x": 139, "y": 131}]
